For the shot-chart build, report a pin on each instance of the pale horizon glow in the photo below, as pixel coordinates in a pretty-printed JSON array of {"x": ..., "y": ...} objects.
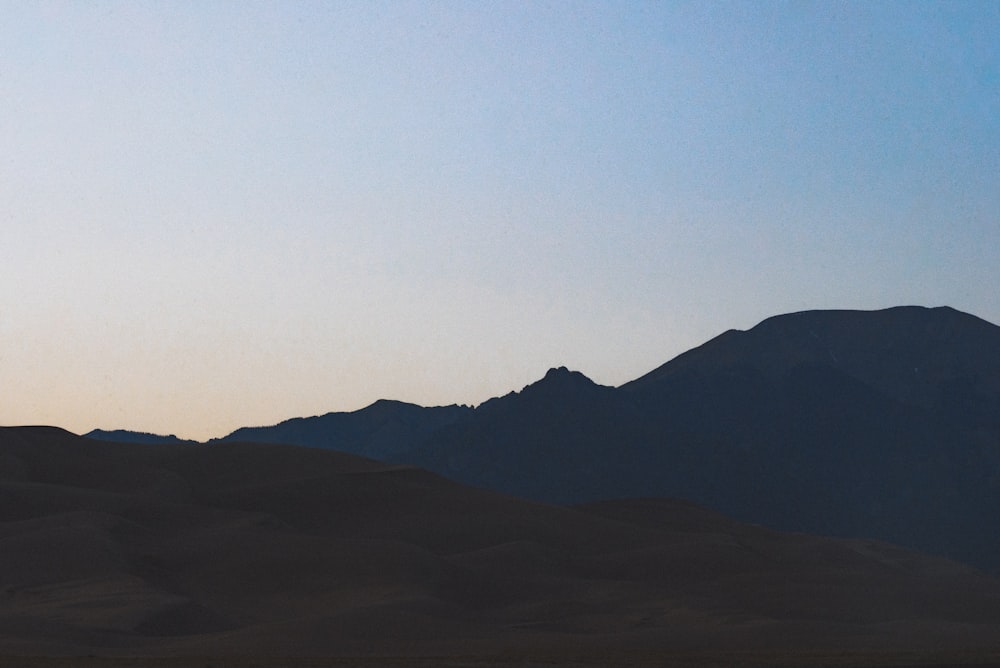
[{"x": 227, "y": 214}]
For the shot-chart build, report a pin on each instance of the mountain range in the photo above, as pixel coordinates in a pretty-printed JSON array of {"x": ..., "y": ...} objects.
[{"x": 870, "y": 424}]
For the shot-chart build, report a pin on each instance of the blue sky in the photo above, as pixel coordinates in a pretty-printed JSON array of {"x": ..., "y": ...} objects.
[{"x": 227, "y": 213}]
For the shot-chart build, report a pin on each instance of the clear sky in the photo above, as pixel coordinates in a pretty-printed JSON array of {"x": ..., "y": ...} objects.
[{"x": 218, "y": 214}]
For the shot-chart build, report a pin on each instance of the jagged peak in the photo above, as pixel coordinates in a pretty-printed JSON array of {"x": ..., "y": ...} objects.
[
  {"x": 561, "y": 379},
  {"x": 563, "y": 375}
]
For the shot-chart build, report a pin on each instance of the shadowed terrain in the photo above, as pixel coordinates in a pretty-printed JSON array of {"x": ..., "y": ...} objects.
[
  {"x": 241, "y": 549},
  {"x": 882, "y": 424},
  {"x": 382, "y": 430},
  {"x": 875, "y": 424}
]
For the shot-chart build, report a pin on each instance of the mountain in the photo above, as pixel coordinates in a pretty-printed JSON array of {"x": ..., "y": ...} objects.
[
  {"x": 878, "y": 424},
  {"x": 258, "y": 550},
  {"x": 882, "y": 424},
  {"x": 126, "y": 436},
  {"x": 564, "y": 439},
  {"x": 934, "y": 358},
  {"x": 382, "y": 430}
]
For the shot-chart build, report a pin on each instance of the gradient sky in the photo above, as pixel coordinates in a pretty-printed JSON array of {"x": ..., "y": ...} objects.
[{"x": 217, "y": 214}]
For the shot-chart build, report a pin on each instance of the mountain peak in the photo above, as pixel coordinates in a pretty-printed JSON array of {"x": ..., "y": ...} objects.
[
  {"x": 565, "y": 377},
  {"x": 906, "y": 351},
  {"x": 380, "y": 406},
  {"x": 560, "y": 381}
]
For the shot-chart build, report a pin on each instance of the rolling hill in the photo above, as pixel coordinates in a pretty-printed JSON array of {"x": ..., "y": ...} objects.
[{"x": 247, "y": 549}]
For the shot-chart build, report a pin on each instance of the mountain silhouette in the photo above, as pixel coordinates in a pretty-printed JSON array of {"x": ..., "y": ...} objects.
[
  {"x": 911, "y": 354},
  {"x": 881, "y": 424},
  {"x": 273, "y": 550},
  {"x": 876, "y": 424},
  {"x": 127, "y": 436},
  {"x": 382, "y": 430}
]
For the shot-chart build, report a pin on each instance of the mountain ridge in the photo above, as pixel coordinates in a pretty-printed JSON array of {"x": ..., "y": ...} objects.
[
  {"x": 801, "y": 342},
  {"x": 880, "y": 424},
  {"x": 380, "y": 430}
]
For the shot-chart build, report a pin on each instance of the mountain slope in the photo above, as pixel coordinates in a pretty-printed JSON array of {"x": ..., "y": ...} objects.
[
  {"x": 243, "y": 548},
  {"x": 508, "y": 443},
  {"x": 381, "y": 430},
  {"x": 126, "y": 436},
  {"x": 881, "y": 424},
  {"x": 911, "y": 354}
]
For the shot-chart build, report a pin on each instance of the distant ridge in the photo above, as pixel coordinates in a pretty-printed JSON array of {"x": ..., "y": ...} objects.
[
  {"x": 905, "y": 351},
  {"x": 126, "y": 436},
  {"x": 879, "y": 424},
  {"x": 382, "y": 430}
]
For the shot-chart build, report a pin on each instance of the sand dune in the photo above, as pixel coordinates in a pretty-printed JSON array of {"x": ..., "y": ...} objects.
[{"x": 254, "y": 549}]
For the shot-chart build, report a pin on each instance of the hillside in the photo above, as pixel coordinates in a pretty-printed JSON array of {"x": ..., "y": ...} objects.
[
  {"x": 882, "y": 424},
  {"x": 382, "y": 430},
  {"x": 875, "y": 424},
  {"x": 255, "y": 549}
]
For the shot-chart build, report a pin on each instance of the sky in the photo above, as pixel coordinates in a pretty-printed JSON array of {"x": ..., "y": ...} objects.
[{"x": 220, "y": 214}]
